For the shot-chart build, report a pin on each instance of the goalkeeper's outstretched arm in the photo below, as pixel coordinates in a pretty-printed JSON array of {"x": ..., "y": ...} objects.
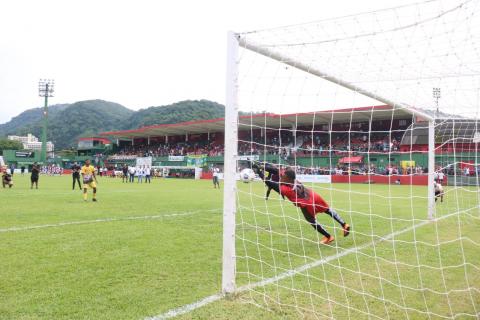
[{"x": 273, "y": 180}]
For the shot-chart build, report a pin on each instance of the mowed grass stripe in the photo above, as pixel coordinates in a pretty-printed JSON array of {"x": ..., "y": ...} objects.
[
  {"x": 55, "y": 202},
  {"x": 63, "y": 224}
]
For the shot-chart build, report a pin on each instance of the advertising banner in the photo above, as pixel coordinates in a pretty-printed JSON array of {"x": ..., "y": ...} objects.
[
  {"x": 315, "y": 178},
  {"x": 144, "y": 161},
  {"x": 176, "y": 158},
  {"x": 246, "y": 158},
  {"x": 197, "y": 161},
  {"x": 407, "y": 163},
  {"x": 24, "y": 154}
]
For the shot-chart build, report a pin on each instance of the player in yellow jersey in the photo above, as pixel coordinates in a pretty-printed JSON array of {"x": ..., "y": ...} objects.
[{"x": 89, "y": 180}]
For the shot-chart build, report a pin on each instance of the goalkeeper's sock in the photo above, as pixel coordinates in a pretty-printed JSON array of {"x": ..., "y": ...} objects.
[
  {"x": 332, "y": 213},
  {"x": 313, "y": 222},
  {"x": 320, "y": 229},
  {"x": 85, "y": 195}
]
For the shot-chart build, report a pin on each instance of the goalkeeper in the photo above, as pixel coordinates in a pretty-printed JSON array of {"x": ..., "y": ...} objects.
[{"x": 307, "y": 200}]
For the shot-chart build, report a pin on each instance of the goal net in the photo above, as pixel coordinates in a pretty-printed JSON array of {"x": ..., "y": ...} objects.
[{"x": 377, "y": 114}]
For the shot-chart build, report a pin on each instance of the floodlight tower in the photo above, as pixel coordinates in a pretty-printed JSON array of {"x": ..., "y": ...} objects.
[
  {"x": 45, "y": 89},
  {"x": 436, "y": 95}
]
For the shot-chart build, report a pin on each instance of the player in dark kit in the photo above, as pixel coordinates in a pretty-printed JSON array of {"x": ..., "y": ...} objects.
[
  {"x": 309, "y": 202},
  {"x": 270, "y": 177},
  {"x": 7, "y": 180},
  {"x": 34, "y": 176},
  {"x": 76, "y": 176},
  {"x": 125, "y": 173}
]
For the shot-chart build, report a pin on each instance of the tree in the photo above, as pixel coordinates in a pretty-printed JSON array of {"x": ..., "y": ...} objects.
[{"x": 6, "y": 144}]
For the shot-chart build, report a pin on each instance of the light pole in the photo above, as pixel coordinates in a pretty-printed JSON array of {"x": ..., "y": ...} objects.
[
  {"x": 45, "y": 89},
  {"x": 436, "y": 95}
]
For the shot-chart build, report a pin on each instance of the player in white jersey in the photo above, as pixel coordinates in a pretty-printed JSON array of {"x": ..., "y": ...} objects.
[
  {"x": 441, "y": 176},
  {"x": 216, "y": 182},
  {"x": 437, "y": 186}
]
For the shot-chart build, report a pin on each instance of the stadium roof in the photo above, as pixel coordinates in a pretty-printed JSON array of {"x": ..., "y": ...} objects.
[
  {"x": 446, "y": 131},
  {"x": 101, "y": 139},
  {"x": 268, "y": 120}
]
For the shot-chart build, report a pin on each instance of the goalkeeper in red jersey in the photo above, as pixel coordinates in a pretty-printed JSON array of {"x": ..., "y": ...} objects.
[{"x": 309, "y": 202}]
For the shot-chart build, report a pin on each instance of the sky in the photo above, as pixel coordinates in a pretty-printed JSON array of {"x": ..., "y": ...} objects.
[{"x": 137, "y": 53}]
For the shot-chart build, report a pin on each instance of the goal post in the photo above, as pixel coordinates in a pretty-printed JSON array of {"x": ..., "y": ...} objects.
[
  {"x": 230, "y": 166},
  {"x": 431, "y": 169}
]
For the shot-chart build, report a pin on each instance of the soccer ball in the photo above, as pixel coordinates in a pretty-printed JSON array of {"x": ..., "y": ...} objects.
[{"x": 247, "y": 175}]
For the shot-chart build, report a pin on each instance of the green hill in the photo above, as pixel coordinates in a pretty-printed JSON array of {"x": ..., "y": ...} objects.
[
  {"x": 178, "y": 112},
  {"x": 68, "y": 122},
  {"x": 22, "y": 123},
  {"x": 85, "y": 118}
]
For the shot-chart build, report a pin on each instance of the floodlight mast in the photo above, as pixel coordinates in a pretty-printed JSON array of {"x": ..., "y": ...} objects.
[
  {"x": 45, "y": 89},
  {"x": 436, "y": 96}
]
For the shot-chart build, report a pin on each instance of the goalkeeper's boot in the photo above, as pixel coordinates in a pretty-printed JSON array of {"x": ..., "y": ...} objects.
[
  {"x": 327, "y": 240},
  {"x": 346, "y": 229}
]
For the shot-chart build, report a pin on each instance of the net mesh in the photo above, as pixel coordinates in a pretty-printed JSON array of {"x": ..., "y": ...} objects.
[{"x": 346, "y": 103}]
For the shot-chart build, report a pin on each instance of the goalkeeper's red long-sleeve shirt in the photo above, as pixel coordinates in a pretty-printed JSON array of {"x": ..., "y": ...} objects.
[{"x": 304, "y": 198}]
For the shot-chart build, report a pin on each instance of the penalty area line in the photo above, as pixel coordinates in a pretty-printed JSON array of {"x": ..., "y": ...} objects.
[
  {"x": 62, "y": 224},
  {"x": 290, "y": 273}
]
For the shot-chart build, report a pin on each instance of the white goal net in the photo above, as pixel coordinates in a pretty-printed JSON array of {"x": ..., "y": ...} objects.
[{"x": 368, "y": 122}]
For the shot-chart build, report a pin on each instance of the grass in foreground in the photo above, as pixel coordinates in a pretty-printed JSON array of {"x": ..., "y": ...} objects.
[{"x": 161, "y": 249}]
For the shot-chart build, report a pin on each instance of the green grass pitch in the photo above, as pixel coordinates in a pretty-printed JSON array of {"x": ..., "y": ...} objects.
[{"x": 143, "y": 250}]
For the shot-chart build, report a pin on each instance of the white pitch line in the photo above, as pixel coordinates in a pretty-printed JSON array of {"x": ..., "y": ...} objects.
[
  {"x": 61, "y": 224},
  {"x": 190, "y": 307}
]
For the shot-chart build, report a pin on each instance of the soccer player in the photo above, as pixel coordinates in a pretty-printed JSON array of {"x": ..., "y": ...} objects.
[
  {"x": 76, "y": 176},
  {"x": 7, "y": 179},
  {"x": 437, "y": 186},
  {"x": 309, "y": 202},
  {"x": 441, "y": 176},
  {"x": 125, "y": 173},
  {"x": 34, "y": 176},
  {"x": 89, "y": 180},
  {"x": 216, "y": 183}
]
